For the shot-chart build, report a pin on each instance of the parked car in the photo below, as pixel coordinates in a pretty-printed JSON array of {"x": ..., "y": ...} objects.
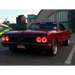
[
  {"x": 3, "y": 30},
  {"x": 39, "y": 36}
]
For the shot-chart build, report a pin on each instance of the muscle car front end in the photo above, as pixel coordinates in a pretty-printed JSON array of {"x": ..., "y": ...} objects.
[{"x": 21, "y": 39}]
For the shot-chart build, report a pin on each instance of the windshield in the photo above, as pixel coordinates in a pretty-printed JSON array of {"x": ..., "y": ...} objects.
[{"x": 50, "y": 25}]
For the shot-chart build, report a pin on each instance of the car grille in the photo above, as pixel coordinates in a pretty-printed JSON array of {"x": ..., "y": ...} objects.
[{"x": 23, "y": 39}]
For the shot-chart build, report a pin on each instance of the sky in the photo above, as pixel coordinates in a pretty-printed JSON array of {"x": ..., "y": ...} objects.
[{"x": 11, "y": 14}]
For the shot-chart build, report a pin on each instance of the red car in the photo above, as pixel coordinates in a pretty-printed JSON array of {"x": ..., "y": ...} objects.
[{"x": 39, "y": 36}]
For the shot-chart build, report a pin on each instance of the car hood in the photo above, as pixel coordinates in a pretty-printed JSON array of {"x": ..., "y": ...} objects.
[{"x": 27, "y": 33}]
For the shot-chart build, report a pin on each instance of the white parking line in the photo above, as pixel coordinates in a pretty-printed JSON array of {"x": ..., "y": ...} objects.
[
  {"x": 4, "y": 49},
  {"x": 68, "y": 61}
]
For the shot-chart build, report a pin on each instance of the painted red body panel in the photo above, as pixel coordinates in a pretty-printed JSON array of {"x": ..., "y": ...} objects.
[{"x": 60, "y": 35}]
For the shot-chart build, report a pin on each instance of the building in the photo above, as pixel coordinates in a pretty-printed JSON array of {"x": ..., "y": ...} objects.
[
  {"x": 3, "y": 26},
  {"x": 21, "y": 20},
  {"x": 49, "y": 16}
]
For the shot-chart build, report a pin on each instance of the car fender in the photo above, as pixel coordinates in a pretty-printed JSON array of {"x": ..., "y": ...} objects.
[{"x": 51, "y": 37}]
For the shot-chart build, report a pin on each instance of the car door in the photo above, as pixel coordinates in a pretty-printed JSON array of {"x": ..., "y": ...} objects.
[{"x": 63, "y": 32}]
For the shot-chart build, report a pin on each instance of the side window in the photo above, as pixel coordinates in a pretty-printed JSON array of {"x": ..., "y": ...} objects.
[{"x": 61, "y": 27}]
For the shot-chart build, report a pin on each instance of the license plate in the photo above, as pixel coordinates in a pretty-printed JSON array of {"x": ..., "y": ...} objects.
[{"x": 21, "y": 46}]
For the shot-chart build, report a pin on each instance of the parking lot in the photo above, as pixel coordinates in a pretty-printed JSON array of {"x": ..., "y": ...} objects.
[{"x": 65, "y": 56}]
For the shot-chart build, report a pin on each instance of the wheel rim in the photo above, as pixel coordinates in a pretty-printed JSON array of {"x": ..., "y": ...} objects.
[
  {"x": 68, "y": 41},
  {"x": 55, "y": 48}
]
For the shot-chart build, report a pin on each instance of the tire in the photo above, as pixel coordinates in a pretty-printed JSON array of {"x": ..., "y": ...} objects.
[
  {"x": 12, "y": 49},
  {"x": 67, "y": 43},
  {"x": 54, "y": 48}
]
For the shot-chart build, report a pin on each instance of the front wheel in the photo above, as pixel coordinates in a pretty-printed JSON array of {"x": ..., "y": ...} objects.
[{"x": 54, "y": 48}]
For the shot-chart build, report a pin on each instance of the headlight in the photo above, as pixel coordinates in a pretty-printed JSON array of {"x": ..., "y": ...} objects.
[
  {"x": 3, "y": 38},
  {"x": 7, "y": 38},
  {"x": 38, "y": 39},
  {"x": 44, "y": 39}
]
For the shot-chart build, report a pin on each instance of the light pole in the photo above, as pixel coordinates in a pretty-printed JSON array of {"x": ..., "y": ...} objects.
[{"x": 6, "y": 20}]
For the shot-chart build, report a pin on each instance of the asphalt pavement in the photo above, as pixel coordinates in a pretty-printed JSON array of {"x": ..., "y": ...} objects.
[{"x": 72, "y": 38}]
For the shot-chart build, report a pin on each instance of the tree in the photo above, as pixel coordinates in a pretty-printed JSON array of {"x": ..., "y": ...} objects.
[
  {"x": 71, "y": 17},
  {"x": 6, "y": 22},
  {"x": 17, "y": 27}
]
